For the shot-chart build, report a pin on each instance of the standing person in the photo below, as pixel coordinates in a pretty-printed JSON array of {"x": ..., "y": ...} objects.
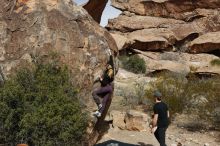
[
  {"x": 160, "y": 119},
  {"x": 105, "y": 90}
]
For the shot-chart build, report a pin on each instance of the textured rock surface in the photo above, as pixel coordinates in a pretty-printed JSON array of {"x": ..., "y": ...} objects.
[
  {"x": 206, "y": 43},
  {"x": 118, "y": 119},
  {"x": 168, "y": 25},
  {"x": 95, "y": 8},
  {"x": 180, "y": 63},
  {"x": 136, "y": 121},
  {"x": 156, "y": 33},
  {"x": 33, "y": 28},
  {"x": 132, "y": 120},
  {"x": 120, "y": 40},
  {"x": 127, "y": 85},
  {"x": 166, "y": 8}
]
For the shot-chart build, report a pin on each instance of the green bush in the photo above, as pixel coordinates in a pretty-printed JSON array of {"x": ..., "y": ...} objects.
[
  {"x": 215, "y": 62},
  {"x": 39, "y": 106},
  {"x": 134, "y": 64}
]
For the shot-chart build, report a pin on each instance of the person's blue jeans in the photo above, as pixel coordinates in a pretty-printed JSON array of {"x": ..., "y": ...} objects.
[
  {"x": 160, "y": 135},
  {"x": 103, "y": 92}
]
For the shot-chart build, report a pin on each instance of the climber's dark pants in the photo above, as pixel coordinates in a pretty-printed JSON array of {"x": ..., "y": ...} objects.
[
  {"x": 160, "y": 135},
  {"x": 103, "y": 92}
]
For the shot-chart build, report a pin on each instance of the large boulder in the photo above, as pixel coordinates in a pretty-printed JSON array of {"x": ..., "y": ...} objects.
[
  {"x": 137, "y": 121},
  {"x": 206, "y": 43},
  {"x": 120, "y": 40},
  {"x": 131, "y": 120},
  {"x": 151, "y": 39},
  {"x": 30, "y": 29}
]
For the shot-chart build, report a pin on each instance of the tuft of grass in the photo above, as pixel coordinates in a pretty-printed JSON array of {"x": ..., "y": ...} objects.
[
  {"x": 215, "y": 62},
  {"x": 193, "y": 68}
]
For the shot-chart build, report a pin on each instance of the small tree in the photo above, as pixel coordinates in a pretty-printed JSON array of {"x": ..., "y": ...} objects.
[{"x": 40, "y": 106}]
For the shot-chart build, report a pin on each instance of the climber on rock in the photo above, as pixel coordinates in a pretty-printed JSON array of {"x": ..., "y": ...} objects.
[{"x": 106, "y": 88}]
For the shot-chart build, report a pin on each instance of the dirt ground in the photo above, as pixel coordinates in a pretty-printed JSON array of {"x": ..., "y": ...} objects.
[{"x": 175, "y": 135}]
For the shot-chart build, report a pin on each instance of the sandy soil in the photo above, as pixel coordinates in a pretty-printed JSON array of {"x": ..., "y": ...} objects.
[{"x": 117, "y": 137}]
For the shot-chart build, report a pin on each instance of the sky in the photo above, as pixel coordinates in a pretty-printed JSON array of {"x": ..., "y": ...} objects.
[{"x": 109, "y": 12}]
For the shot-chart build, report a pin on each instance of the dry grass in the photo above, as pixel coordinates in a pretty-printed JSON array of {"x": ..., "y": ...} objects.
[{"x": 201, "y": 96}]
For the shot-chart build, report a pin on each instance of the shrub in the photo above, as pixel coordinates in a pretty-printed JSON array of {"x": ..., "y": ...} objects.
[
  {"x": 134, "y": 97},
  {"x": 40, "y": 106},
  {"x": 172, "y": 88},
  {"x": 215, "y": 62},
  {"x": 185, "y": 95},
  {"x": 134, "y": 64}
]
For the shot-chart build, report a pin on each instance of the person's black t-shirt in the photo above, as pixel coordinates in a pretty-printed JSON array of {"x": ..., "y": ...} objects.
[{"x": 161, "y": 109}]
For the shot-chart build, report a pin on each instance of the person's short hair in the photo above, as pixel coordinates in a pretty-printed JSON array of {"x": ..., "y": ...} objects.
[{"x": 157, "y": 95}]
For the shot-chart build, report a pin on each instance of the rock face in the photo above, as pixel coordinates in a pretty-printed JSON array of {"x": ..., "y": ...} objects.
[
  {"x": 158, "y": 33},
  {"x": 130, "y": 120},
  {"x": 207, "y": 42},
  {"x": 131, "y": 86},
  {"x": 165, "y": 8},
  {"x": 183, "y": 63},
  {"x": 33, "y": 28},
  {"x": 95, "y": 8},
  {"x": 118, "y": 119},
  {"x": 136, "y": 121},
  {"x": 167, "y": 25}
]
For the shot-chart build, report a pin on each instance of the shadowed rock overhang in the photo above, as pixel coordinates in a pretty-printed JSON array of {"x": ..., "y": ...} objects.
[{"x": 95, "y": 8}]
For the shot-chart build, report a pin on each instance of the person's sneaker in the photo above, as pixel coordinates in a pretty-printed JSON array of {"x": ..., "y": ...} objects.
[
  {"x": 97, "y": 114},
  {"x": 99, "y": 107}
]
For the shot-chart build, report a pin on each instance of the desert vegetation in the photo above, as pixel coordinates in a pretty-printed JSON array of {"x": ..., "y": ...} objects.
[
  {"x": 193, "y": 95},
  {"x": 133, "y": 63},
  {"x": 39, "y": 106}
]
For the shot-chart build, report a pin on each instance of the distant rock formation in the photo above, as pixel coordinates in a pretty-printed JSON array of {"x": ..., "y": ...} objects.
[
  {"x": 167, "y": 25},
  {"x": 33, "y": 28},
  {"x": 181, "y": 9}
]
